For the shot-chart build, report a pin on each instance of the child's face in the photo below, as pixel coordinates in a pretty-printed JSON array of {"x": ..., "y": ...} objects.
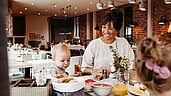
[{"x": 62, "y": 59}]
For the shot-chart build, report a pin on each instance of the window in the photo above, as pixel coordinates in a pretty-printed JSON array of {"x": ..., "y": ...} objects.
[
  {"x": 128, "y": 19},
  {"x": 128, "y": 34}
]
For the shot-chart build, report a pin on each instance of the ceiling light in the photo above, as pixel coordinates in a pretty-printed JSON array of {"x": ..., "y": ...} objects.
[
  {"x": 167, "y": 1},
  {"x": 110, "y": 3},
  {"x": 75, "y": 7},
  {"x": 21, "y": 12},
  {"x": 91, "y": 2},
  {"x": 46, "y": 10},
  {"x": 25, "y": 8},
  {"x": 55, "y": 5},
  {"x": 32, "y": 3},
  {"x": 39, "y": 13},
  {"x": 55, "y": 14},
  {"x": 163, "y": 20},
  {"x": 142, "y": 6},
  {"x": 75, "y": 12},
  {"x": 99, "y": 5},
  {"x": 88, "y": 9},
  {"x": 131, "y": 1}
]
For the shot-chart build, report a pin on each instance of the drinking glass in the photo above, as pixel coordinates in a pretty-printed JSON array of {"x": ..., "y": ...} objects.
[
  {"x": 133, "y": 78},
  {"x": 96, "y": 74}
]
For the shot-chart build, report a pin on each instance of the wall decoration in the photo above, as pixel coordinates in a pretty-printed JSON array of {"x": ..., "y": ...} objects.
[
  {"x": 32, "y": 36},
  {"x": 37, "y": 36}
]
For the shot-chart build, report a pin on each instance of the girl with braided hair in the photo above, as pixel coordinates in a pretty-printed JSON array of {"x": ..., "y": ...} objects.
[{"x": 153, "y": 66}]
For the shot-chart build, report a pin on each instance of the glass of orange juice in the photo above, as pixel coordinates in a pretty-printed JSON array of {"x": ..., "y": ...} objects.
[{"x": 120, "y": 90}]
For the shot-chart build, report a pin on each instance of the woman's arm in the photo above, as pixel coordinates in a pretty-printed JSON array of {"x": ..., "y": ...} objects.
[{"x": 88, "y": 59}]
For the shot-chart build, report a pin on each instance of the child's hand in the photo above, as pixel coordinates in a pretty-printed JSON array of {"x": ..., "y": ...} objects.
[{"x": 76, "y": 74}]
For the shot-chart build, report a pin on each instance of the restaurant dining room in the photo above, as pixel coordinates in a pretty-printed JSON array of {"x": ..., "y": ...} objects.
[{"x": 85, "y": 47}]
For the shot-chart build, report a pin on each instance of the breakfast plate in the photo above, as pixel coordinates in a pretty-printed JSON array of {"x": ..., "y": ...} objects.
[
  {"x": 135, "y": 91},
  {"x": 61, "y": 86}
]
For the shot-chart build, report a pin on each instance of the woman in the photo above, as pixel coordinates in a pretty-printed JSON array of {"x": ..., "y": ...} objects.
[
  {"x": 153, "y": 66},
  {"x": 97, "y": 54}
]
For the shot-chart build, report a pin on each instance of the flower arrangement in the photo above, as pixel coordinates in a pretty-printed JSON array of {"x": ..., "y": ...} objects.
[
  {"x": 37, "y": 49},
  {"x": 120, "y": 63},
  {"x": 20, "y": 46}
]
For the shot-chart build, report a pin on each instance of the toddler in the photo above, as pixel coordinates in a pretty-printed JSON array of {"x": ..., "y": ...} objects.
[
  {"x": 61, "y": 57},
  {"x": 153, "y": 66}
]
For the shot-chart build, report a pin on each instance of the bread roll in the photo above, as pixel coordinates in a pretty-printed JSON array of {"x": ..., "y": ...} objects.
[
  {"x": 77, "y": 68},
  {"x": 65, "y": 80}
]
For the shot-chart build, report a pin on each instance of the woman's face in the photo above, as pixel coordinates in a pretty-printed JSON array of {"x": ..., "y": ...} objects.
[{"x": 108, "y": 31}]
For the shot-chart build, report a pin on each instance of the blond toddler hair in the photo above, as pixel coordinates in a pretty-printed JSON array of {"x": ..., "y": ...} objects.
[
  {"x": 60, "y": 47},
  {"x": 153, "y": 64}
]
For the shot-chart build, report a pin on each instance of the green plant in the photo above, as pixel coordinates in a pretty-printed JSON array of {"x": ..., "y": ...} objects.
[{"x": 120, "y": 63}]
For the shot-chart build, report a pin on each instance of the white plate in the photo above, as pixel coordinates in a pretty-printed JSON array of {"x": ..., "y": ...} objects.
[
  {"x": 15, "y": 75},
  {"x": 136, "y": 91},
  {"x": 69, "y": 87},
  {"x": 110, "y": 81}
]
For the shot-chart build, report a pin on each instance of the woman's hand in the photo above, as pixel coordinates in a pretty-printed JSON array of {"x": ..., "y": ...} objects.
[{"x": 99, "y": 70}]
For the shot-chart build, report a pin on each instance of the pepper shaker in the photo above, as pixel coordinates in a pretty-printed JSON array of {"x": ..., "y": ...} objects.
[{"x": 104, "y": 73}]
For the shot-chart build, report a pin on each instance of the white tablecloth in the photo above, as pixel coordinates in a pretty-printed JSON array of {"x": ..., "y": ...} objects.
[{"x": 76, "y": 47}]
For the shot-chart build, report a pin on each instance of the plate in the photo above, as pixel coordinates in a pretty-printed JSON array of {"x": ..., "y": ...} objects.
[
  {"x": 15, "y": 75},
  {"x": 110, "y": 81},
  {"x": 69, "y": 87},
  {"x": 136, "y": 91}
]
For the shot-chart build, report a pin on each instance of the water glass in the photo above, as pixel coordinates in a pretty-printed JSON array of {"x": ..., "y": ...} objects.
[
  {"x": 133, "y": 78},
  {"x": 96, "y": 74}
]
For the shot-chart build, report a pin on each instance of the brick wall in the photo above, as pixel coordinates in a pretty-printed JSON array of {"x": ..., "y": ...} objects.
[
  {"x": 159, "y": 9},
  {"x": 140, "y": 31},
  {"x": 83, "y": 27}
]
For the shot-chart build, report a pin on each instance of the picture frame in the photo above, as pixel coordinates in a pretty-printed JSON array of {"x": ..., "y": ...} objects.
[
  {"x": 37, "y": 36},
  {"x": 32, "y": 36}
]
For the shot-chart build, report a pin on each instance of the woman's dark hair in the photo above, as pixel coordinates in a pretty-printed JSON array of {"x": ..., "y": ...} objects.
[
  {"x": 115, "y": 16},
  {"x": 96, "y": 28}
]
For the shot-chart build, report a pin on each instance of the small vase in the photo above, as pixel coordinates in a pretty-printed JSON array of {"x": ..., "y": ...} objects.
[{"x": 122, "y": 77}]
